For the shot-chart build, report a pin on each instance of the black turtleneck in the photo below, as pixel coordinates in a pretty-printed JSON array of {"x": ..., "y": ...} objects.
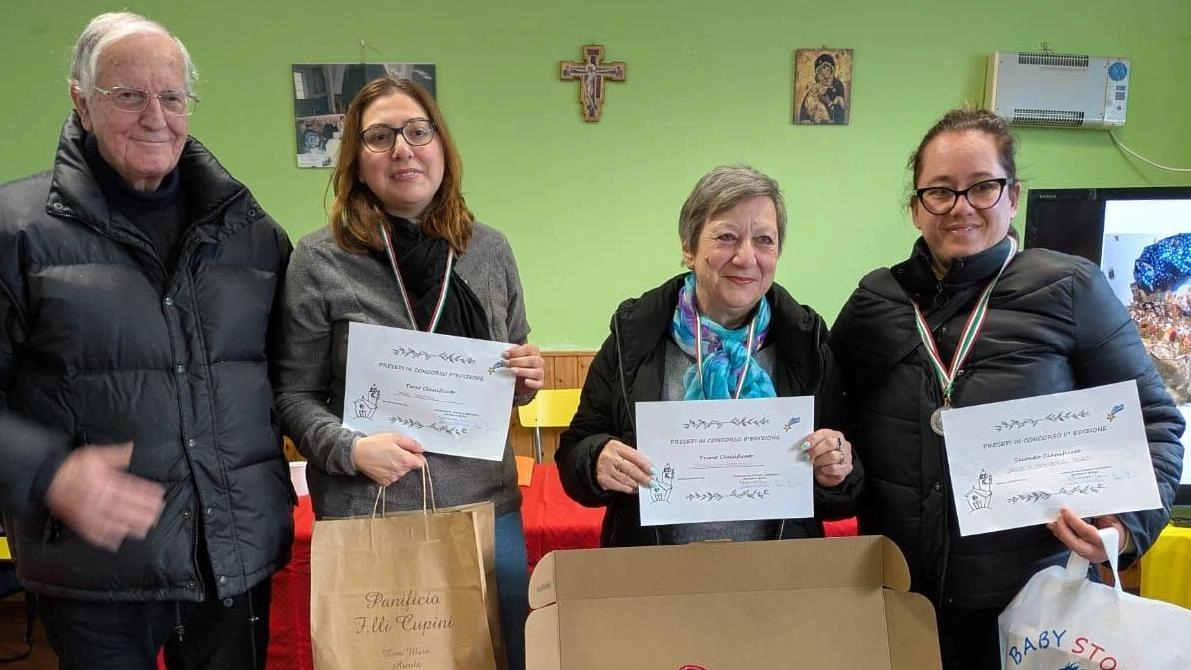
[
  {"x": 917, "y": 276},
  {"x": 160, "y": 215}
]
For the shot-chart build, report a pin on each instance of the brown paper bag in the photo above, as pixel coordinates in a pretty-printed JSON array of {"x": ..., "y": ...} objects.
[
  {"x": 483, "y": 517},
  {"x": 401, "y": 591}
]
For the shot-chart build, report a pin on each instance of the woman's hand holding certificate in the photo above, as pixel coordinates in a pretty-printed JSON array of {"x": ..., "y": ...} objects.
[
  {"x": 1017, "y": 463},
  {"x": 386, "y": 457},
  {"x": 451, "y": 395}
]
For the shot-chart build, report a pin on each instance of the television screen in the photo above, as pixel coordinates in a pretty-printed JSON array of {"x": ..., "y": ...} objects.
[{"x": 1141, "y": 239}]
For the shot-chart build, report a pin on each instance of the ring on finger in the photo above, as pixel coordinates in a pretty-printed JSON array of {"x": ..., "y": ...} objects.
[{"x": 839, "y": 443}]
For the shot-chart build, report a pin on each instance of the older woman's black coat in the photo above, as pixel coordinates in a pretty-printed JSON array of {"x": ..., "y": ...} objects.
[{"x": 629, "y": 368}]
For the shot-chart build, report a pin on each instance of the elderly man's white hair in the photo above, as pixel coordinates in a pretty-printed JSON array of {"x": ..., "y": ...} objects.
[{"x": 107, "y": 29}]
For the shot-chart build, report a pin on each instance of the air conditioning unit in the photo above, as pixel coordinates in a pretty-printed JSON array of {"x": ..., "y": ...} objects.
[{"x": 1057, "y": 90}]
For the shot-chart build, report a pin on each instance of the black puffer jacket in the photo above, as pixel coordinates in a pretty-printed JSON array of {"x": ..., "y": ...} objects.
[
  {"x": 629, "y": 369},
  {"x": 91, "y": 352},
  {"x": 1053, "y": 325}
]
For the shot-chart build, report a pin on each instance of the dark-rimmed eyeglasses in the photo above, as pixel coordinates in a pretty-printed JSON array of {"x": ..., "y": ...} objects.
[
  {"x": 135, "y": 100},
  {"x": 982, "y": 195},
  {"x": 380, "y": 138}
]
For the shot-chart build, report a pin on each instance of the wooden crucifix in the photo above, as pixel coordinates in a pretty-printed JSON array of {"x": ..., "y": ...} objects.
[{"x": 593, "y": 77}]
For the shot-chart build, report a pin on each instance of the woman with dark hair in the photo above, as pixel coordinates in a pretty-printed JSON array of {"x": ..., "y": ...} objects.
[
  {"x": 1050, "y": 324},
  {"x": 401, "y": 250}
]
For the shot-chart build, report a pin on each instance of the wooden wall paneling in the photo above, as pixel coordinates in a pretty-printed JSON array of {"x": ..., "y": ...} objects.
[
  {"x": 563, "y": 369},
  {"x": 582, "y": 365}
]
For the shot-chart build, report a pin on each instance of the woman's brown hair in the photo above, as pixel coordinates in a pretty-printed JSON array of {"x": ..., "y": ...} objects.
[
  {"x": 356, "y": 214},
  {"x": 969, "y": 119}
]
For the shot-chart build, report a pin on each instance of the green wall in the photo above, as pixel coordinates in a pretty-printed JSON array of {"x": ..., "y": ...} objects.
[{"x": 591, "y": 209}]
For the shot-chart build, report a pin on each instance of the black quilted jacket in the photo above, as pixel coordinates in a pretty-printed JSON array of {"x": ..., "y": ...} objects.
[
  {"x": 1053, "y": 325},
  {"x": 629, "y": 369},
  {"x": 91, "y": 352}
]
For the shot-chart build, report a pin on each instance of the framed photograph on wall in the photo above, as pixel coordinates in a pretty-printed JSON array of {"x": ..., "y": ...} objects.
[
  {"x": 322, "y": 93},
  {"x": 822, "y": 86}
]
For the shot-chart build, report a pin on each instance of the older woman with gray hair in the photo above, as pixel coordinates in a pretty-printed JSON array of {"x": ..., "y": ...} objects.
[{"x": 756, "y": 342}]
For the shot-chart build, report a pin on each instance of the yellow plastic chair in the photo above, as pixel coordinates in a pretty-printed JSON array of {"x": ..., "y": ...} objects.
[
  {"x": 10, "y": 586},
  {"x": 550, "y": 408}
]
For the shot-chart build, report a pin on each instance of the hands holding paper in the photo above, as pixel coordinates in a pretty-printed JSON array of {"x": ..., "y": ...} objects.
[
  {"x": 622, "y": 468},
  {"x": 386, "y": 457},
  {"x": 526, "y": 362},
  {"x": 1084, "y": 538},
  {"x": 831, "y": 455}
]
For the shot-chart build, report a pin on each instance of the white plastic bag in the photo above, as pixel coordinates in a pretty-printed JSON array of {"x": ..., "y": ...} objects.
[{"x": 1063, "y": 621}]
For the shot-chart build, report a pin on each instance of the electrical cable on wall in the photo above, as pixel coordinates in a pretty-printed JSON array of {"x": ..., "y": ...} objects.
[
  {"x": 365, "y": 47},
  {"x": 1127, "y": 150}
]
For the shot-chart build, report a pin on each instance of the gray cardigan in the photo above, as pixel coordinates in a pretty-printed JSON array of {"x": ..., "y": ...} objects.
[{"x": 326, "y": 288}]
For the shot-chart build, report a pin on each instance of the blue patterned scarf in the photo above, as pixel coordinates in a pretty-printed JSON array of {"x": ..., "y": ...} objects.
[{"x": 724, "y": 354}]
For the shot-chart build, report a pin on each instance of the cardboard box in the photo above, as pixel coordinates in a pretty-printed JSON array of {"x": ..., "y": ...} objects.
[{"x": 839, "y": 603}]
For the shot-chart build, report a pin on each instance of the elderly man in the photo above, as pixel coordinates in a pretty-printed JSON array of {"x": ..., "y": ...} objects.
[{"x": 141, "y": 472}]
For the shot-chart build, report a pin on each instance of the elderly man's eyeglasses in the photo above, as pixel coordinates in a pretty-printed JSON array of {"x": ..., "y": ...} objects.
[
  {"x": 135, "y": 100},
  {"x": 381, "y": 138},
  {"x": 982, "y": 195}
]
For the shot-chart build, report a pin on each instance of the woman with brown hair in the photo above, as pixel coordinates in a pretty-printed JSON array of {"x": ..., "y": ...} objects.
[{"x": 401, "y": 250}]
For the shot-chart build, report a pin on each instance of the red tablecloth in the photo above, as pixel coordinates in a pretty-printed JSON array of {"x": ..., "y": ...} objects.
[
  {"x": 289, "y": 612},
  {"x": 840, "y": 528},
  {"x": 551, "y": 520}
]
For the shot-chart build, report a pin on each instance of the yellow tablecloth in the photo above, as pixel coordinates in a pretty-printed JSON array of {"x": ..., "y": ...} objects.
[{"x": 1166, "y": 567}]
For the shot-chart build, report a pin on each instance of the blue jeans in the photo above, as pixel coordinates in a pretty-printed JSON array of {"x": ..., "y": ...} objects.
[{"x": 512, "y": 585}]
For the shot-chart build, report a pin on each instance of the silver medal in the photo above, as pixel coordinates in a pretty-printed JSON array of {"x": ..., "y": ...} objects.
[
  {"x": 936, "y": 420},
  {"x": 946, "y": 374}
]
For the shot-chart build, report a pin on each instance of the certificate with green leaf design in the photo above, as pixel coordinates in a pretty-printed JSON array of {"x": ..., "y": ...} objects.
[
  {"x": 1015, "y": 463},
  {"x": 452, "y": 394},
  {"x": 726, "y": 460}
]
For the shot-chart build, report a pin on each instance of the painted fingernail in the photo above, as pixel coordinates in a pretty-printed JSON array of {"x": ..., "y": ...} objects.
[
  {"x": 653, "y": 470},
  {"x": 805, "y": 446}
]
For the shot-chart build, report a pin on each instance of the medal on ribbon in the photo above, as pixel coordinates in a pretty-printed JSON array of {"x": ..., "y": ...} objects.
[
  {"x": 442, "y": 293},
  {"x": 946, "y": 374}
]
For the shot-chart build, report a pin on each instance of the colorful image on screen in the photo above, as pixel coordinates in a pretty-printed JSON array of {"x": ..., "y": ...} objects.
[{"x": 1147, "y": 259}]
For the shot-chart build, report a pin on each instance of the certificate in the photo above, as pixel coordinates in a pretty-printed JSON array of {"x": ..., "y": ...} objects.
[
  {"x": 726, "y": 460},
  {"x": 1015, "y": 463},
  {"x": 452, "y": 394}
]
